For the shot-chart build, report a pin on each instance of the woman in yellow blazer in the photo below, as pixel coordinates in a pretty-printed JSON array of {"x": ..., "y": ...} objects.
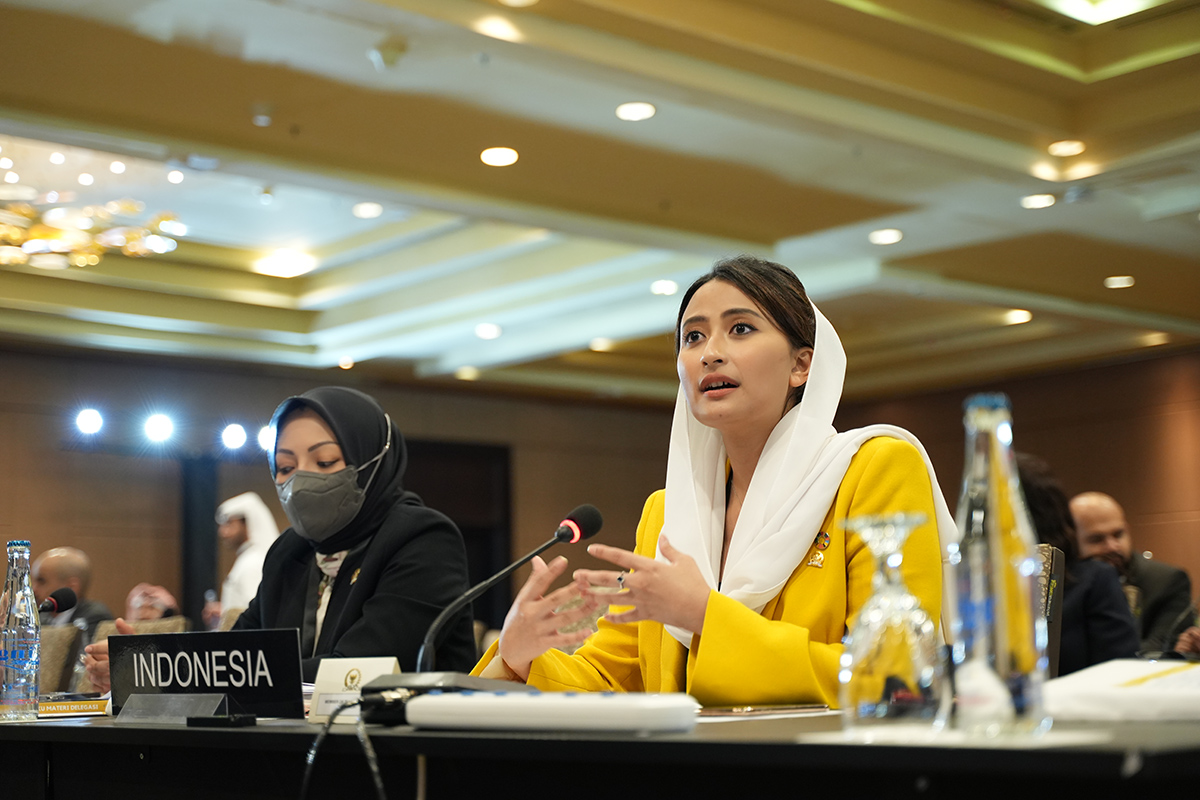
[{"x": 743, "y": 580}]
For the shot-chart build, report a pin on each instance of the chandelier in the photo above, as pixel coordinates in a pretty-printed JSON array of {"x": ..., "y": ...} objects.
[{"x": 63, "y": 236}]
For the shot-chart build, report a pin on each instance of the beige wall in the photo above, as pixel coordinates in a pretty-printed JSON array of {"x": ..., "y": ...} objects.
[
  {"x": 1131, "y": 430},
  {"x": 124, "y": 509}
]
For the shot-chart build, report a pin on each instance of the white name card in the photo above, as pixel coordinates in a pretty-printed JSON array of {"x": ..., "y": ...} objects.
[{"x": 340, "y": 680}]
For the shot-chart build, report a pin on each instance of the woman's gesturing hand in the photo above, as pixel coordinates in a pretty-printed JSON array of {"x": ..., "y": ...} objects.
[
  {"x": 532, "y": 626},
  {"x": 674, "y": 593},
  {"x": 96, "y": 661}
]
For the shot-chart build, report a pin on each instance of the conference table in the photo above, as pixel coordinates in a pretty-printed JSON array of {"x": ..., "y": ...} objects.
[{"x": 98, "y": 758}]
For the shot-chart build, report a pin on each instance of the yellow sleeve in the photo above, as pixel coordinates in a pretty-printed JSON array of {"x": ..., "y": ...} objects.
[
  {"x": 790, "y": 652},
  {"x": 609, "y": 659}
]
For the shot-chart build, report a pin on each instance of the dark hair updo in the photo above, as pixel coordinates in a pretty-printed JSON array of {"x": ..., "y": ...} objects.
[{"x": 775, "y": 289}]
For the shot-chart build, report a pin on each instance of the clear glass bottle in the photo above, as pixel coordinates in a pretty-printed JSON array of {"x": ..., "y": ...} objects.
[
  {"x": 997, "y": 629},
  {"x": 20, "y": 639}
]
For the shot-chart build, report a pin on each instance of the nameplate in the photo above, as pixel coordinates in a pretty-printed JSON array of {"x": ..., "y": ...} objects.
[
  {"x": 258, "y": 670},
  {"x": 340, "y": 680}
]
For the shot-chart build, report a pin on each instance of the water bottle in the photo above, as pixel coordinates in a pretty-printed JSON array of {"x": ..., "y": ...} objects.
[
  {"x": 999, "y": 634},
  {"x": 20, "y": 647}
]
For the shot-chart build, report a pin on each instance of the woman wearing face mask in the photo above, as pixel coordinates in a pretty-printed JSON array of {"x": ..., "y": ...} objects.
[
  {"x": 743, "y": 580},
  {"x": 365, "y": 566}
]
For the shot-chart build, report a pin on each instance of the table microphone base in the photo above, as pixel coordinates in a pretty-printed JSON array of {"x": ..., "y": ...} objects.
[{"x": 383, "y": 699}]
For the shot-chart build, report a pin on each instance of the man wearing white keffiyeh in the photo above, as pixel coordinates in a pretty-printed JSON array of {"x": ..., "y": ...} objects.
[{"x": 743, "y": 580}]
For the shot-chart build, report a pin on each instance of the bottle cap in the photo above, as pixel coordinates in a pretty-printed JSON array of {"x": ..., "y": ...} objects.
[
  {"x": 19, "y": 543},
  {"x": 992, "y": 401}
]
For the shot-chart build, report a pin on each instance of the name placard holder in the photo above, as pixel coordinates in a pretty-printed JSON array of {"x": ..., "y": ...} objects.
[
  {"x": 259, "y": 672},
  {"x": 171, "y": 709}
]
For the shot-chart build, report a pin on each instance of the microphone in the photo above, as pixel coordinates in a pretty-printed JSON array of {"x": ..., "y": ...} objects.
[
  {"x": 582, "y": 523},
  {"x": 61, "y": 599}
]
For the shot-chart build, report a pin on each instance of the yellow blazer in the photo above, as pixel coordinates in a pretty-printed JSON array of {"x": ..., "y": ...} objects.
[{"x": 790, "y": 652}]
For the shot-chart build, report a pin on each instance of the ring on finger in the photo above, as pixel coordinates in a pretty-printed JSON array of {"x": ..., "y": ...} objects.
[{"x": 621, "y": 581}]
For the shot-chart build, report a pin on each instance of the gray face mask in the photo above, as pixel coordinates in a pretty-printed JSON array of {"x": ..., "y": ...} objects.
[{"x": 320, "y": 504}]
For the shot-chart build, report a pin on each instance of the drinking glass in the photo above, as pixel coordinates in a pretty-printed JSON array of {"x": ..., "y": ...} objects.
[{"x": 892, "y": 669}]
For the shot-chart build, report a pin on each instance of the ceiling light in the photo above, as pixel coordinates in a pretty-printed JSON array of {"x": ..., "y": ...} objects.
[
  {"x": 1037, "y": 201},
  {"x": 519, "y": 3},
  {"x": 635, "y": 112},
  {"x": 175, "y": 176},
  {"x": 285, "y": 263},
  {"x": 1017, "y": 316},
  {"x": 488, "y": 330},
  {"x": 467, "y": 373},
  {"x": 261, "y": 120},
  {"x": 266, "y": 438},
  {"x": 11, "y": 177},
  {"x": 234, "y": 436},
  {"x": 1066, "y": 148},
  {"x": 159, "y": 428},
  {"x": 499, "y": 156},
  {"x": 346, "y": 362},
  {"x": 267, "y": 195},
  {"x": 498, "y": 28},
  {"x": 1047, "y": 172},
  {"x": 1155, "y": 339},
  {"x": 601, "y": 344},
  {"x": 664, "y": 287},
  {"x": 57, "y": 158},
  {"x": 5, "y": 162},
  {"x": 885, "y": 236},
  {"x": 89, "y": 421},
  {"x": 86, "y": 179},
  {"x": 116, "y": 167},
  {"x": 1118, "y": 281},
  {"x": 367, "y": 210}
]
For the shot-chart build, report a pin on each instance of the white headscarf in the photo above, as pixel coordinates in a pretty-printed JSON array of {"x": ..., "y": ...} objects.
[
  {"x": 260, "y": 523},
  {"x": 791, "y": 491}
]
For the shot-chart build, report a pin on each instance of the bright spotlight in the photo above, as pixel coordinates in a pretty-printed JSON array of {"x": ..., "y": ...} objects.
[
  {"x": 159, "y": 428},
  {"x": 266, "y": 438},
  {"x": 89, "y": 421},
  {"x": 234, "y": 436}
]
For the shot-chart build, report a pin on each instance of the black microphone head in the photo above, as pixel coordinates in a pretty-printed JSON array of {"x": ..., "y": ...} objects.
[
  {"x": 584, "y": 522},
  {"x": 60, "y": 600}
]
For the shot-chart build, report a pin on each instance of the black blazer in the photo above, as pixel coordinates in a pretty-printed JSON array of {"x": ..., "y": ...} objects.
[
  {"x": 387, "y": 592},
  {"x": 1166, "y": 594},
  {"x": 1096, "y": 622}
]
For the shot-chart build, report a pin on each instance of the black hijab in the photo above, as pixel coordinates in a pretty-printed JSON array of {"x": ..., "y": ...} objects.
[{"x": 361, "y": 428}]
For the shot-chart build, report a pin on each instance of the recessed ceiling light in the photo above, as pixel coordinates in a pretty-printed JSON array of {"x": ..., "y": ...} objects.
[
  {"x": 1047, "y": 172},
  {"x": 367, "y": 210},
  {"x": 488, "y": 330},
  {"x": 11, "y": 177},
  {"x": 116, "y": 167},
  {"x": 885, "y": 236},
  {"x": 467, "y": 373},
  {"x": 86, "y": 179},
  {"x": 498, "y": 28},
  {"x": 1037, "y": 201},
  {"x": 519, "y": 3},
  {"x": 266, "y": 438},
  {"x": 234, "y": 436},
  {"x": 1017, "y": 316},
  {"x": 6, "y": 162},
  {"x": 635, "y": 112},
  {"x": 261, "y": 120},
  {"x": 285, "y": 263},
  {"x": 499, "y": 156},
  {"x": 1118, "y": 281},
  {"x": 601, "y": 344},
  {"x": 664, "y": 287},
  {"x": 1066, "y": 148},
  {"x": 175, "y": 176},
  {"x": 57, "y": 158},
  {"x": 346, "y": 362}
]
